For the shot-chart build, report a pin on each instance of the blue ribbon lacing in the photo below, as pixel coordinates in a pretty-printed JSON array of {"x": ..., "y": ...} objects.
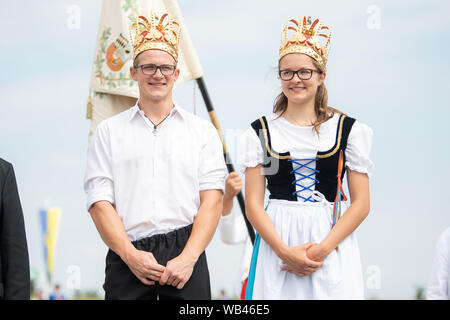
[{"x": 304, "y": 177}]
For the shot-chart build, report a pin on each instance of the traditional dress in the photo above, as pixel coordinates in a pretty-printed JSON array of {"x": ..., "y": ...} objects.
[{"x": 301, "y": 169}]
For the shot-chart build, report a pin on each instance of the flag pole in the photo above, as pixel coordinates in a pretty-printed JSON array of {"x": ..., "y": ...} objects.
[
  {"x": 215, "y": 121},
  {"x": 197, "y": 73}
]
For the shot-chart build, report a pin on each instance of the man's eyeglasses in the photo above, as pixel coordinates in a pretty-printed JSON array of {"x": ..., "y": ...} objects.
[
  {"x": 150, "y": 69},
  {"x": 303, "y": 74}
]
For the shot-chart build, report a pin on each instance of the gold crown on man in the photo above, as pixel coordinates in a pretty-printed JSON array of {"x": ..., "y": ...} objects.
[
  {"x": 306, "y": 39},
  {"x": 162, "y": 34}
]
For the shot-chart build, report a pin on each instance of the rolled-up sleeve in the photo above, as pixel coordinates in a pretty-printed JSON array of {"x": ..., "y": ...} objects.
[
  {"x": 212, "y": 169},
  {"x": 98, "y": 181}
]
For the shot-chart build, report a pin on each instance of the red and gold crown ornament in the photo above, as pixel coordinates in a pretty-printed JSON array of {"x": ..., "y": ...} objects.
[
  {"x": 153, "y": 33},
  {"x": 304, "y": 36}
]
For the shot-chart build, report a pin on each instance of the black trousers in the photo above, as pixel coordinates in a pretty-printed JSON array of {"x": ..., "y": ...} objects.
[{"x": 122, "y": 284}]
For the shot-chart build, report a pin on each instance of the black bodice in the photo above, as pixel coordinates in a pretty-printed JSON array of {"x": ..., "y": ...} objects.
[{"x": 279, "y": 170}]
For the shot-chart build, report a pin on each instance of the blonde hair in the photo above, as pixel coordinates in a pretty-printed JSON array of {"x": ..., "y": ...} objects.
[{"x": 323, "y": 111}]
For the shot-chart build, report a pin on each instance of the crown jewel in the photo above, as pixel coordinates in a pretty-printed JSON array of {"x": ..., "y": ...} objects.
[
  {"x": 306, "y": 39},
  {"x": 155, "y": 34}
]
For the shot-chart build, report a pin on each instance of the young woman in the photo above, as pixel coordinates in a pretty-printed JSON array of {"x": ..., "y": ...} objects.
[{"x": 307, "y": 247}]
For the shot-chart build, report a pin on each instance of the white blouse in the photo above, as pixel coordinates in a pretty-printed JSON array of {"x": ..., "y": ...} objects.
[
  {"x": 304, "y": 143},
  {"x": 439, "y": 282},
  {"x": 153, "y": 177}
]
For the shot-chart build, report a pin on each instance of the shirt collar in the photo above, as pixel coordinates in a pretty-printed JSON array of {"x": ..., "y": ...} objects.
[
  {"x": 176, "y": 110},
  {"x": 133, "y": 111}
]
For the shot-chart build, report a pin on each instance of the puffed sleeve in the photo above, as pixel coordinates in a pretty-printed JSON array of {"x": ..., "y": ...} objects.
[
  {"x": 98, "y": 180},
  {"x": 250, "y": 150},
  {"x": 358, "y": 149}
]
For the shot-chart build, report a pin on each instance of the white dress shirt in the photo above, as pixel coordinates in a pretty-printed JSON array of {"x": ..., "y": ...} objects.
[
  {"x": 439, "y": 282},
  {"x": 152, "y": 177}
]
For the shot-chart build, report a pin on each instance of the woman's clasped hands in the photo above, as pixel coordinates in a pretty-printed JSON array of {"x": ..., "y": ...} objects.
[{"x": 303, "y": 260}]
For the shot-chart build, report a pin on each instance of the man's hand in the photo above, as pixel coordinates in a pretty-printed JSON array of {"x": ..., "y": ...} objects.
[
  {"x": 178, "y": 270},
  {"x": 144, "y": 266}
]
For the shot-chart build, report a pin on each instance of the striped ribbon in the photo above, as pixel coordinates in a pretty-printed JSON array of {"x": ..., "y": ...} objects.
[{"x": 340, "y": 191}]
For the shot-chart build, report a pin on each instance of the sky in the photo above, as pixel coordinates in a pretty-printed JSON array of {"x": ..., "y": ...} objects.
[{"x": 387, "y": 67}]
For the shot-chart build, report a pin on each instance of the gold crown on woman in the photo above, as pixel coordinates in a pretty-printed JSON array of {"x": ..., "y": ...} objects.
[
  {"x": 312, "y": 39},
  {"x": 162, "y": 34}
]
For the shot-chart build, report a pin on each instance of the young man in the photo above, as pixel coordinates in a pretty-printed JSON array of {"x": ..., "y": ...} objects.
[{"x": 154, "y": 181}]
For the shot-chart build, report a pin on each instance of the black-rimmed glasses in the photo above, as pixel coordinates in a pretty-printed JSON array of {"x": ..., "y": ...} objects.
[
  {"x": 303, "y": 74},
  {"x": 150, "y": 69}
]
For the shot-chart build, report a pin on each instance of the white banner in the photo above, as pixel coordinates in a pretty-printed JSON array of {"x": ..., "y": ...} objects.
[{"x": 112, "y": 90}]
